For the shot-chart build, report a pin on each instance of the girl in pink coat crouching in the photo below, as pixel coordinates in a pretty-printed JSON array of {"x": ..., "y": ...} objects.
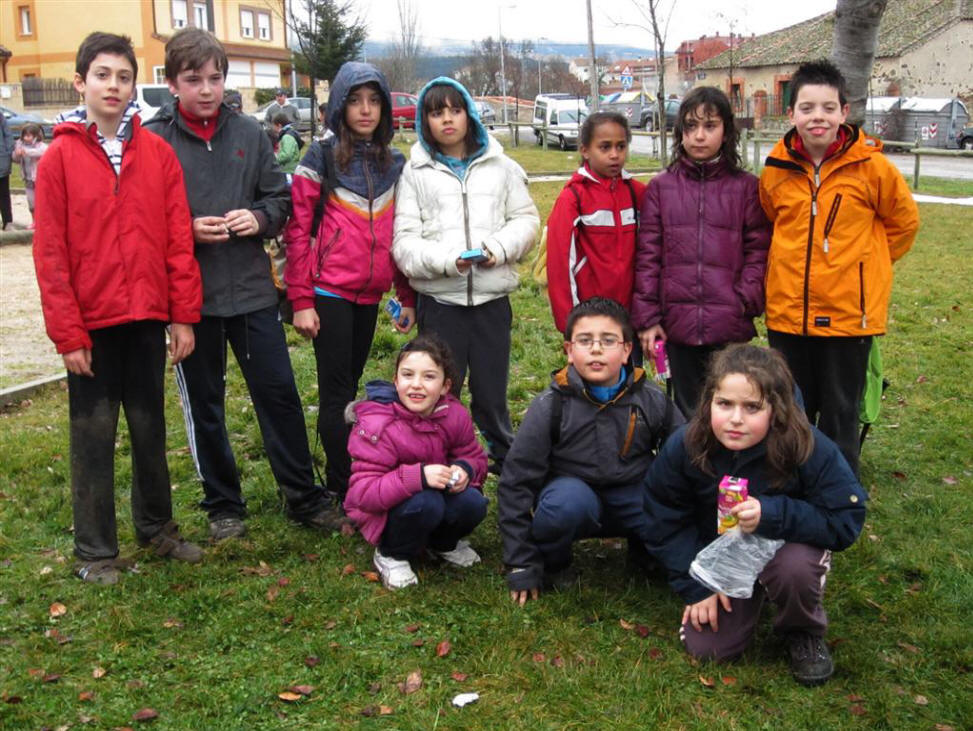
[{"x": 417, "y": 469}]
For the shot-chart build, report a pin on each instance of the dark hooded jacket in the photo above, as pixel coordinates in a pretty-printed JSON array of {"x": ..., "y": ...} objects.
[
  {"x": 235, "y": 169},
  {"x": 568, "y": 433},
  {"x": 822, "y": 504}
]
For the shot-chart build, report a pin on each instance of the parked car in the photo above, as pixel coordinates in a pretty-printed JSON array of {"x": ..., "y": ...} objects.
[
  {"x": 303, "y": 104},
  {"x": 487, "y": 114},
  {"x": 558, "y": 117},
  {"x": 649, "y": 117},
  {"x": 150, "y": 98},
  {"x": 966, "y": 138},
  {"x": 404, "y": 109},
  {"x": 17, "y": 120}
]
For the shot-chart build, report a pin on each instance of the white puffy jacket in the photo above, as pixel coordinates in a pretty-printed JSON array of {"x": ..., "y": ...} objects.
[{"x": 438, "y": 217}]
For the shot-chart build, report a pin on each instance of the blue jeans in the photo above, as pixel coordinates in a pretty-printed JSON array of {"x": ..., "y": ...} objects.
[
  {"x": 569, "y": 510},
  {"x": 433, "y": 518}
]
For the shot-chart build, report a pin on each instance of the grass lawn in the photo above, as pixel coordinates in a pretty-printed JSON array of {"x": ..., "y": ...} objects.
[{"x": 213, "y": 646}]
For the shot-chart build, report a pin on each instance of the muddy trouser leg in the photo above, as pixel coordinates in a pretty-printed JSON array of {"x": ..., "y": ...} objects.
[
  {"x": 143, "y": 398},
  {"x": 93, "y": 411}
]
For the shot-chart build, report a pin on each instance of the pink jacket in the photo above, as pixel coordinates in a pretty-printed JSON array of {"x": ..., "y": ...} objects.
[{"x": 389, "y": 445}]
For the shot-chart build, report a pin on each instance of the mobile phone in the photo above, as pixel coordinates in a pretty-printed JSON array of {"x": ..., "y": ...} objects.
[
  {"x": 475, "y": 256},
  {"x": 394, "y": 308}
]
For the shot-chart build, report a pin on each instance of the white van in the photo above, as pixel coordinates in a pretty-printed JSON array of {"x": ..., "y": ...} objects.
[
  {"x": 559, "y": 117},
  {"x": 150, "y": 98}
]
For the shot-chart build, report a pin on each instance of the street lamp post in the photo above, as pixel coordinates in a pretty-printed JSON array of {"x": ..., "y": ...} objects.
[{"x": 503, "y": 74}]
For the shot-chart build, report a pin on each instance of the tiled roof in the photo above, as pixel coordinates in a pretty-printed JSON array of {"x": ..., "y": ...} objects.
[{"x": 904, "y": 24}]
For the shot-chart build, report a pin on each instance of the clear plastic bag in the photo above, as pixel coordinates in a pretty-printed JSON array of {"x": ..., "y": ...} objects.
[{"x": 731, "y": 564}]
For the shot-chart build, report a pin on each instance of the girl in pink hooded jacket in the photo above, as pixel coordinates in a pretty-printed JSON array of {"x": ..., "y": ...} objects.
[{"x": 417, "y": 469}]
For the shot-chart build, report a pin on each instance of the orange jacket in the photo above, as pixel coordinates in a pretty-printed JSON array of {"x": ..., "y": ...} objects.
[{"x": 837, "y": 231}]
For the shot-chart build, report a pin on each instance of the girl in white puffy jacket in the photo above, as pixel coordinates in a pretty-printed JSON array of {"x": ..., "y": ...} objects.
[{"x": 463, "y": 219}]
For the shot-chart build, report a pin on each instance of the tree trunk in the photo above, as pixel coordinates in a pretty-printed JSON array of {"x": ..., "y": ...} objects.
[{"x": 855, "y": 40}]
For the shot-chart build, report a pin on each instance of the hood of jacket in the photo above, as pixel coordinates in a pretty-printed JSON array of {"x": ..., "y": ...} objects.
[
  {"x": 472, "y": 113},
  {"x": 567, "y": 380},
  {"x": 350, "y": 75}
]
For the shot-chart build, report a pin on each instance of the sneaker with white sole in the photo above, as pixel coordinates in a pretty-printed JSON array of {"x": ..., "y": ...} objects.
[
  {"x": 463, "y": 555},
  {"x": 395, "y": 574}
]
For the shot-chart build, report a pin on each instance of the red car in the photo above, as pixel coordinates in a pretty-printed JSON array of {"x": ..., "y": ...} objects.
[{"x": 403, "y": 109}]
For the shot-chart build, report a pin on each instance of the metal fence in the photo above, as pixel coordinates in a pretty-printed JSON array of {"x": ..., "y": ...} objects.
[{"x": 48, "y": 93}]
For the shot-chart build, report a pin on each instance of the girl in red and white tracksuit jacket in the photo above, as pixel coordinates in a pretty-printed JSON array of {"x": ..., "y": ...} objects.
[{"x": 592, "y": 228}]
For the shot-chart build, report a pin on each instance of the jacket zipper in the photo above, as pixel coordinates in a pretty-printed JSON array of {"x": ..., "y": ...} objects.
[
  {"x": 810, "y": 244},
  {"x": 829, "y": 223},
  {"x": 861, "y": 290},
  {"x": 469, "y": 241},
  {"x": 371, "y": 228},
  {"x": 699, "y": 257}
]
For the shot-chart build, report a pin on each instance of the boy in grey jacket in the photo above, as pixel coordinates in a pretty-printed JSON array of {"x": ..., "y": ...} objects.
[{"x": 577, "y": 465}]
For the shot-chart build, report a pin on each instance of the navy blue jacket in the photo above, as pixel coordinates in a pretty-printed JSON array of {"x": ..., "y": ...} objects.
[{"x": 823, "y": 504}]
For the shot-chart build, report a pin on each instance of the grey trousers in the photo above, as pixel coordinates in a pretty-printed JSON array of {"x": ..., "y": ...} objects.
[{"x": 793, "y": 581}]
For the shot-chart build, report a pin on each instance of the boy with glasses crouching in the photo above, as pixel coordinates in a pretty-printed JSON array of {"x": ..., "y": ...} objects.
[{"x": 577, "y": 465}]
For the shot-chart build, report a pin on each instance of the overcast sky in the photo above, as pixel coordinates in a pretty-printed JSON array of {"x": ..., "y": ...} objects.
[{"x": 564, "y": 20}]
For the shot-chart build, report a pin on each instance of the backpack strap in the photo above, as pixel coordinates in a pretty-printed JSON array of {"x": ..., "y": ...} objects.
[
  {"x": 635, "y": 201},
  {"x": 328, "y": 183}
]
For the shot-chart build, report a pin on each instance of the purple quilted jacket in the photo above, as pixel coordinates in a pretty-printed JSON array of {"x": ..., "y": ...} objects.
[{"x": 701, "y": 254}]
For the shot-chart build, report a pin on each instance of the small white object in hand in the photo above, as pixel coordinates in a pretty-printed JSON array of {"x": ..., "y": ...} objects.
[{"x": 465, "y": 698}]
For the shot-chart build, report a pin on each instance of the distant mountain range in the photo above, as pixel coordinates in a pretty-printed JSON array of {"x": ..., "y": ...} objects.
[{"x": 448, "y": 47}]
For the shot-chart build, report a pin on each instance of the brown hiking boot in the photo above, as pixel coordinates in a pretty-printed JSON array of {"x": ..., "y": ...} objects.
[
  {"x": 105, "y": 571},
  {"x": 327, "y": 519},
  {"x": 230, "y": 527},
  {"x": 168, "y": 543}
]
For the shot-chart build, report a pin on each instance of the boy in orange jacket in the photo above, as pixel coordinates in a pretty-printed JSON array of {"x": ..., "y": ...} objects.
[{"x": 842, "y": 213}]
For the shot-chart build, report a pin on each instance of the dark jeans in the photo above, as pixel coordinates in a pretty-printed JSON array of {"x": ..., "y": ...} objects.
[
  {"x": 831, "y": 375},
  {"x": 793, "y": 580},
  {"x": 341, "y": 350},
  {"x": 433, "y": 518},
  {"x": 257, "y": 339},
  {"x": 688, "y": 365},
  {"x": 568, "y": 510},
  {"x": 479, "y": 339},
  {"x": 128, "y": 362}
]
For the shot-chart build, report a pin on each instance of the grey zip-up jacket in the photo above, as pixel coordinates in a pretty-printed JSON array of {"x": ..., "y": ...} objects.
[
  {"x": 604, "y": 444},
  {"x": 235, "y": 169}
]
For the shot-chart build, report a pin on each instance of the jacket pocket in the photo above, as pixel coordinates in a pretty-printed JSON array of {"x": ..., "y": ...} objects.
[
  {"x": 861, "y": 293},
  {"x": 323, "y": 252}
]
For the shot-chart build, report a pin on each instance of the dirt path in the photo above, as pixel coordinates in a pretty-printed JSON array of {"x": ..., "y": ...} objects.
[{"x": 26, "y": 353}]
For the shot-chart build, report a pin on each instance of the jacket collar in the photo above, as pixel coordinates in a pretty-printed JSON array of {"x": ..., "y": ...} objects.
[
  {"x": 857, "y": 147},
  {"x": 584, "y": 173},
  {"x": 707, "y": 169},
  {"x": 567, "y": 380}
]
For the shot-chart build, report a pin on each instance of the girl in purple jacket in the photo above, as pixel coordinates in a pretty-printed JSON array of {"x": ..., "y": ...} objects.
[
  {"x": 702, "y": 247},
  {"x": 417, "y": 469}
]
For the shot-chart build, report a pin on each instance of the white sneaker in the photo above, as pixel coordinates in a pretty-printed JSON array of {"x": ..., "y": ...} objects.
[
  {"x": 395, "y": 574},
  {"x": 463, "y": 555}
]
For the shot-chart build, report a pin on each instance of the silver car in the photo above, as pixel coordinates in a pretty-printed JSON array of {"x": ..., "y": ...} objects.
[{"x": 487, "y": 115}]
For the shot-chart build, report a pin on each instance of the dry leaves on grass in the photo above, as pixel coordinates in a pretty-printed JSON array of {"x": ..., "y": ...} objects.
[
  {"x": 262, "y": 569},
  {"x": 348, "y": 570},
  {"x": 57, "y": 610},
  {"x": 707, "y": 682},
  {"x": 443, "y": 648},
  {"x": 458, "y": 676},
  {"x": 921, "y": 700},
  {"x": 86, "y": 695},
  {"x": 370, "y": 576},
  {"x": 413, "y": 682},
  {"x": 312, "y": 660},
  {"x": 145, "y": 714},
  {"x": 370, "y": 711}
]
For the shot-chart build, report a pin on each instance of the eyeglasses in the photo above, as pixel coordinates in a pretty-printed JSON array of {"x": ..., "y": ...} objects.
[{"x": 607, "y": 342}]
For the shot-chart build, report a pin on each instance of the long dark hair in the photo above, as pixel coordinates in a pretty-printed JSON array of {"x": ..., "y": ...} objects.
[
  {"x": 707, "y": 100},
  {"x": 435, "y": 348},
  {"x": 440, "y": 96},
  {"x": 379, "y": 150},
  {"x": 789, "y": 439}
]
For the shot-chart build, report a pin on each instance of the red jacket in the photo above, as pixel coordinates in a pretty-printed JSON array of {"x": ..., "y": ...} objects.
[
  {"x": 591, "y": 250},
  {"x": 112, "y": 249}
]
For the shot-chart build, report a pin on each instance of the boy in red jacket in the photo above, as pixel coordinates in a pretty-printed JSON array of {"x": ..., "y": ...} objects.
[{"x": 113, "y": 249}]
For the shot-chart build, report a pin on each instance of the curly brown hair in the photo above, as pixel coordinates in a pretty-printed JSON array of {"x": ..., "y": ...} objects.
[{"x": 789, "y": 439}]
